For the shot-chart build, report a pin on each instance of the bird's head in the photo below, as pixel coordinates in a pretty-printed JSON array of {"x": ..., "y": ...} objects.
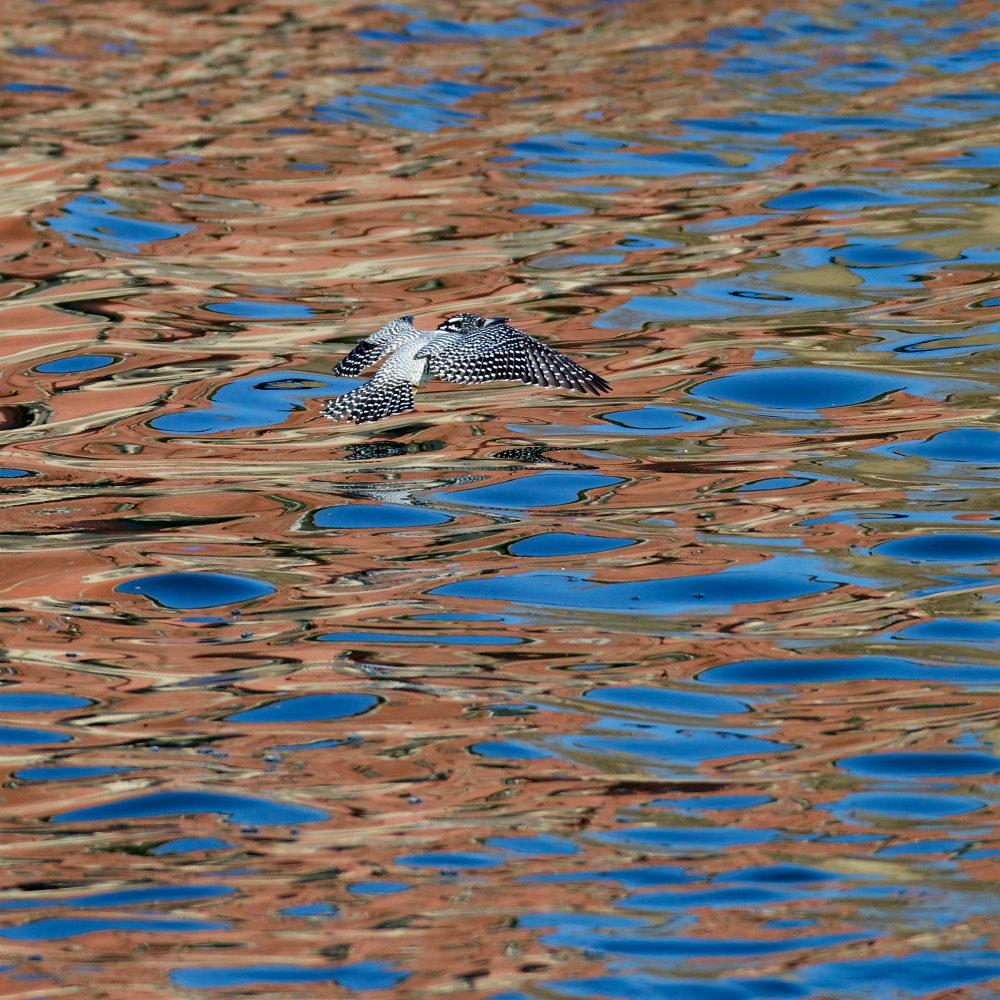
[{"x": 464, "y": 323}]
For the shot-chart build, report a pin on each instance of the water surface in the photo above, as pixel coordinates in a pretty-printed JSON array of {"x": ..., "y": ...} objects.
[{"x": 688, "y": 691}]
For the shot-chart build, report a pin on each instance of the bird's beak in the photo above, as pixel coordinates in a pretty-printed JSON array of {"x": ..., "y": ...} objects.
[{"x": 499, "y": 319}]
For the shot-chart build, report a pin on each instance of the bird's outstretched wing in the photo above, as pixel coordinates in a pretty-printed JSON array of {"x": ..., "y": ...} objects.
[
  {"x": 364, "y": 355},
  {"x": 374, "y": 348},
  {"x": 379, "y": 398},
  {"x": 499, "y": 352}
]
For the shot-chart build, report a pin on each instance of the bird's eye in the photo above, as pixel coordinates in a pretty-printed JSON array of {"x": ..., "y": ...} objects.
[{"x": 480, "y": 322}]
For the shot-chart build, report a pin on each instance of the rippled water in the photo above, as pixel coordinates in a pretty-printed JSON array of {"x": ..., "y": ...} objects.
[{"x": 686, "y": 692}]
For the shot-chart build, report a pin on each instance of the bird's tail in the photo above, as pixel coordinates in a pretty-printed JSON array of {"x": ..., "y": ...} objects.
[{"x": 374, "y": 400}]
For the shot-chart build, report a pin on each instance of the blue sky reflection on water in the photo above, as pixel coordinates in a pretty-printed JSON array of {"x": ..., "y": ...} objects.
[{"x": 777, "y": 579}]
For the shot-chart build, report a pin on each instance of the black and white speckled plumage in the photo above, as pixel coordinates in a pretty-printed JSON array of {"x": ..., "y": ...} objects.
[
  {"x": 497, "y": 352},
  {"x": 374, "y": 400},
  {"x": 373, "y": 349},
  {"x": 466, "y": 348}
]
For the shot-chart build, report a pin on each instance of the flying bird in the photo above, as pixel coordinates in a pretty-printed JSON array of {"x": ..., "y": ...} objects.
[{"x": 465, "y": 348}]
